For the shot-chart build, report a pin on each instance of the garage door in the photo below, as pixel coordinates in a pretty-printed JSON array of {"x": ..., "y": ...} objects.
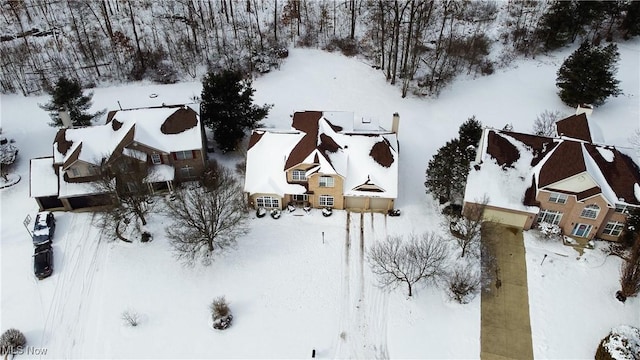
[
  {"x": 507, "y": 218},
  {"x": 352, "y": 202},
  {"x": 379, "y": 204}
]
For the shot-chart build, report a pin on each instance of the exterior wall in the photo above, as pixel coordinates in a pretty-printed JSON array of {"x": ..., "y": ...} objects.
[
  {"x": 612, "y": 215},
  {"x": 575, "y": 184},
  {"x": 572, "y": 209},
  {"x": 303, "y": 167},
  {"x": 373, "y": 204},
  {"x": 252, "y": 199},
  {"x": 335, "y": 191},
  {"x": 197, "y": 162},
  {"x": 521, "y": 219}
]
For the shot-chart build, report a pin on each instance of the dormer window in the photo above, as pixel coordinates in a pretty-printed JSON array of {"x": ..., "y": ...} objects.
[
  {"x": 590, "y": 211},
  {"x": 558, "y": 198},
  {"x": 299, "y": 175}
]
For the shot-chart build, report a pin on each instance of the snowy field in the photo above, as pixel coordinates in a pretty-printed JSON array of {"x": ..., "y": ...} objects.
[{"x": 290, "y": 292}]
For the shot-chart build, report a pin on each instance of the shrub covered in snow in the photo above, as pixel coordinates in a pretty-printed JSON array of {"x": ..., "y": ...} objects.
[
  {"x": 11, "y": 340},
  {"x": 550, "y": 231},
  {"x": 220, "y": 313},
  {"x": 131, "y": 318},
  {"x": 622, "y": 343},
  {"x": 276, "y": 213}
]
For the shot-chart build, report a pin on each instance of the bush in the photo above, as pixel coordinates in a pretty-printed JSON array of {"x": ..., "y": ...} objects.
[
  {"x": 220, "y": 313},
  {"x": 348, "y": 47},
  {"x": 11, "y": 340},
  {"x": 462, "y": 284},
  {"x": 623, "y": 342},
  {"x": 131, "y": 318},
  {"x": 550, "y": 231}
]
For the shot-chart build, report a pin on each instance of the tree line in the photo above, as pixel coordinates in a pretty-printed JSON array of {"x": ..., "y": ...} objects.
[{"x": 418, "y": 45}]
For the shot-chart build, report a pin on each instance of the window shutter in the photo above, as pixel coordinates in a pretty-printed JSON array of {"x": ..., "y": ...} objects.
[
  {"x": 193, "y": 153},
  {"x": 175, "y": 156}
]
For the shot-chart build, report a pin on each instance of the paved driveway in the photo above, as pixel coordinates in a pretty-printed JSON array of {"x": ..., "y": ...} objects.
[{"x": 505, "y": 329}]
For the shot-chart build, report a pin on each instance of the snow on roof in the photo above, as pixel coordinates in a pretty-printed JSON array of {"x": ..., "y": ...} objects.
[
  {"x": 598, "y": 177},
  {"x": 43, "y": 180},
  {"x": 266, "y": 161},
  {"x": 502, "y": 186},
  {"x": 158, "y": 128},
  {"x": 636, "y": 191},
  {"x": 69, "y": 189},
  {"x": 136, "y": 154},
  {"x": 606, "y": 153},
  {"x": 160, "y": 172},
  {"x": 366, "y": 157}
]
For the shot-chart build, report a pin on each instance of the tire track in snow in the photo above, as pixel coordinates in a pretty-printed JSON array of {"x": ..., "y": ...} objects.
[
  {"x": 73, "y": 291},
  {"x": 362, "y": 325}
]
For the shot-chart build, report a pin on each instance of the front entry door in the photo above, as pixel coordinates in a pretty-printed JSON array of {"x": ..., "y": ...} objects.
[{"x": 581, "y": 230}]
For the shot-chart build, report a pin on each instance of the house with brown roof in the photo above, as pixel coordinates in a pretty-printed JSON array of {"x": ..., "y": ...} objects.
[
  {"x": 168, "y": 141},
  {"x": 584, "y": 188},
  {"x": 328, "y": 159}
]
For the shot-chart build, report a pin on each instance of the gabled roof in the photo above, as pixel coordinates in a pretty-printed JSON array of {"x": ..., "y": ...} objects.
[
  {"x": 615, "y": 174},
  {"x": 576, "y": 127},
  {"x": 359, "y": 156},
  {"x": 167, "y": 129}
]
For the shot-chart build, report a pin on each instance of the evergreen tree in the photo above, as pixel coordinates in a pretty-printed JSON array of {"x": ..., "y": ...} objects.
[
  {"x": 470, "y": 132},
  {"x": 587, "y": 75},
  {"x": 227, "y": 107},
  {"x": 67, "y": 95},
  {"x": 631, "y": 227},
  {"x": 558, "y": 25},
  {"x": 446, "y": 175},
  {"x": 631, "y": 21}
]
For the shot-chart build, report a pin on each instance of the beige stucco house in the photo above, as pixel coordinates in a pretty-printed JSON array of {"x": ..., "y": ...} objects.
[
  {"x": 168, "y": 139},
  {"x": 584, "y": 188},
  {"x": 327, "y": 159}
]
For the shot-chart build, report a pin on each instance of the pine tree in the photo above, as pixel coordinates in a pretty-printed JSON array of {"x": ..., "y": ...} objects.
[
  {"x": 558, "y": 25},
  {"x": 587, "y": 75},
  {"x": 227, "y": 107},
  {"x": 67, "y": 95},
  {"x": 446, "y": 175}
]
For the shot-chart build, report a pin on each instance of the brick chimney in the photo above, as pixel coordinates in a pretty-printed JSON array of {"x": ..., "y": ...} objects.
[
  {"x": 395, "y": 122},
  {"x": 586, "y": 109},
  {"x": 65, "y": 118}
]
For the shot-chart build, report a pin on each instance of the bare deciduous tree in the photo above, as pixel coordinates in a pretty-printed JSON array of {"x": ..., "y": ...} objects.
[
  {"x": 545, "y": 123},
  {"x": 463, "y": 283},
  {"x": 466, "y": 229},
  {"x": 208, "y": 219},
  {"x": 396, "y": 261},
  {"x": 630, "y": 274},
  {"x": 126, "y": 178}
]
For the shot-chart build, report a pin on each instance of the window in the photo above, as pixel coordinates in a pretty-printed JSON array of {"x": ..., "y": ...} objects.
[
  {"x": 184, "y": 155},
  {"x": 326, "y": 181},
  {"x": 155, "y": 159},
  {"x": 74, "y": 172},
  {"x": 581, "y": 230},
  {"x": 623, "y": 209},
  {"x": 590, "y": 211},
  {"x": 613, "y": 228},
  {"x": 302, "y": 197},
  {"x": 325, "y": 200},
  {"x": 187, "y": 172},
  {"x": 558, "y": 198},
  {"x": 93, "y": 170},
  {"x": 299, "y": 175},
  {"x": 267, "y": 202},
  {"x": 550, "y": 216}
]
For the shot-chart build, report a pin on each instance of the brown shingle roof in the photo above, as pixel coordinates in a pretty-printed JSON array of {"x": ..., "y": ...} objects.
[
  {"x": 63, "y": 144},
  {"x": 622, "y": 173},
  {"x": 381, "y": 153},
  {"x": 501, "y": 149},
  {"x": 567, "y": 160},
  {"x": 575, "y": 126},
  {"x": 307, "y": 122},
  {"x": 540, "y": 145},
  {"x": 181, "y": 120}
]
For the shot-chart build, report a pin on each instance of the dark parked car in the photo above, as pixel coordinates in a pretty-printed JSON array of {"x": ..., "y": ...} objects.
[
  {"x": 45, "y": 226},
  {"x": 43, "y": 260}
]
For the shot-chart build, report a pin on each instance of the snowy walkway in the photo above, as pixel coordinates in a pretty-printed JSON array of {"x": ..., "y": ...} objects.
[{"x": 505, "y": 330}]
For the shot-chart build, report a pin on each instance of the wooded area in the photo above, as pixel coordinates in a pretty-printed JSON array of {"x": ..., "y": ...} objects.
[{"x": 418, "y": 44}]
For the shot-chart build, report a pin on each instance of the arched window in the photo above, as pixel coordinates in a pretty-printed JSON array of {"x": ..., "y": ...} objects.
[{"x": 590, "y": 211}]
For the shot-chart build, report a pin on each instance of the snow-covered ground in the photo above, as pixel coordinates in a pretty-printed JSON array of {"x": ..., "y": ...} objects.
[{"x": 290, "y": 292}]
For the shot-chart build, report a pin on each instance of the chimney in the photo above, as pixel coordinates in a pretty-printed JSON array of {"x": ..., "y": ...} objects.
[
  {"x": 65, "y": 118},
  {"x": 586, "y": 109},
  {"x": 395, "y": 123}
]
